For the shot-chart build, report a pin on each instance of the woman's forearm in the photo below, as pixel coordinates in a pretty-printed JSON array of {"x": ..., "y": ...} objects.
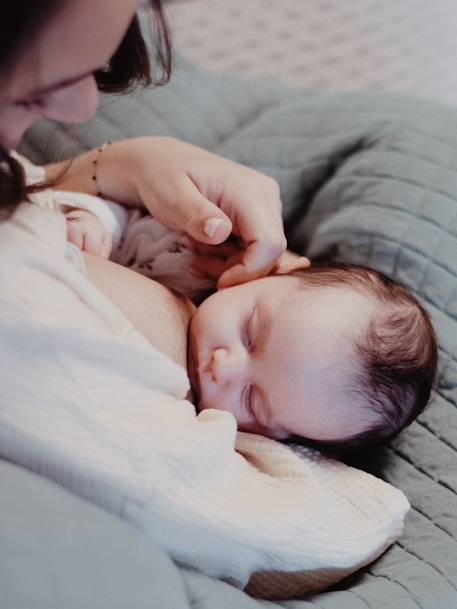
[{"x": 115, "y": 169}]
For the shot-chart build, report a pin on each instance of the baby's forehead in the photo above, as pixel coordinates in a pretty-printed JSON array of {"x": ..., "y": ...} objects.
[
  {"x": 340, "y": 308},
  {"x": 301, "y": 290}
]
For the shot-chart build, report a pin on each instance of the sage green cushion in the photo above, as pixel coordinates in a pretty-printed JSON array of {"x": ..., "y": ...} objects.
[{"x": 60, "y": 552}]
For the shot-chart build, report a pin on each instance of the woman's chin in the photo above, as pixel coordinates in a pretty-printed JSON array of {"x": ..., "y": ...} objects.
[{"x": 10, "y": 143}]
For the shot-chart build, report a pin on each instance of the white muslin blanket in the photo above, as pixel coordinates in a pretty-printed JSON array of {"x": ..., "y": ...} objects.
[{"x": 87, "y": 402}]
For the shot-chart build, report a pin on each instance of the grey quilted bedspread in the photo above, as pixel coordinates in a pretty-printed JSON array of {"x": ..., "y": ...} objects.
[{"x": 365, "y": 179}]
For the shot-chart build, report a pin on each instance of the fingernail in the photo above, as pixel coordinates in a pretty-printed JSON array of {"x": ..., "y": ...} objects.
[{"x": 210, "y": 227}]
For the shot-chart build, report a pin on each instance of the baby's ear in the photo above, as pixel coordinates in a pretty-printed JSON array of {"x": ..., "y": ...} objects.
[{"x": 289, "y": 262}]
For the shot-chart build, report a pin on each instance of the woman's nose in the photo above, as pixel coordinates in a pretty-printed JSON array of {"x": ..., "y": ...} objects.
[
  {"x": 227, "y": 366},
  {"x": 76, "y": 103}
]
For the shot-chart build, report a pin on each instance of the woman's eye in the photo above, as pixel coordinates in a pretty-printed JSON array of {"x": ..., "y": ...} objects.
[{"x": 30, "y": 104}]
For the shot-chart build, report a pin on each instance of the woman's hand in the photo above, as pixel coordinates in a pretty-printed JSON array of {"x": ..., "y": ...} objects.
[
  {"x": 214, "y": 260},
  {"x": 209, "y": 198},
  {"x": 185, "y": 187}
]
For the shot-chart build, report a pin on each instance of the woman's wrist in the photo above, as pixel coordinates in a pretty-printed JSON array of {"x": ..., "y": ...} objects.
[
  {"x": 116, "y": 172},
  {"x": 115, "y": 168},
  {"x": 73, "y": 175}
]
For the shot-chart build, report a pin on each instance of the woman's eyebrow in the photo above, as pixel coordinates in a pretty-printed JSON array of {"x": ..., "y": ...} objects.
[{"x": 66, "y": 82}]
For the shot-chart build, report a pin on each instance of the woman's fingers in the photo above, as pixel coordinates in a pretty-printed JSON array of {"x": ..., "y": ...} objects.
[
  {"x": 215, "y": 266},
  {"x": 209, "y": 198},
  {"x": 211, "y": 266},
  {"x": 254, "y": 262},
  {"x": 223, "y": 250},
  {"x": 181, "y": 205},
  {"x": 256, "y": 210},
  {"x": 243, "y": 262},
  {"x": 288, "y": 262}
]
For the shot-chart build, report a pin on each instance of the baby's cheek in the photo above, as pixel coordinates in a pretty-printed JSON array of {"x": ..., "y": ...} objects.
[{"x": 213, "y": 397}]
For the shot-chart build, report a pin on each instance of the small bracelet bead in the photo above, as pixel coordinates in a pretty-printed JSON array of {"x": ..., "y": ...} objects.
[{"x": 95, "y": 164}]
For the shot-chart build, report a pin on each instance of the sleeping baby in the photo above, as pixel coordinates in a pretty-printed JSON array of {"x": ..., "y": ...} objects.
[{"x": 336, "y": 356}]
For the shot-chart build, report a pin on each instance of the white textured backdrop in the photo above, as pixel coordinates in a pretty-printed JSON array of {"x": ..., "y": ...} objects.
[{"x": 336, "y": 45}]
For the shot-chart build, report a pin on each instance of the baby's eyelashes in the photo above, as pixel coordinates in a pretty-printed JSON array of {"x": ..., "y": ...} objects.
[
  {"x": 247, "y": 394},
  {"x": 248, "y": 331}
]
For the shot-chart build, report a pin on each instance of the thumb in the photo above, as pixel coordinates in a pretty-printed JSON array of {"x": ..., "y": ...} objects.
[
  {"x": 207, "y": 223},
  {"x": 212, "y": 230},
  {"x": 202, "y": 219}
]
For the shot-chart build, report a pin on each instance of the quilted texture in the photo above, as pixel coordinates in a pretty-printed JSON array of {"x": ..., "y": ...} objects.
[
  {"x": 374, "y": 181},
  {"x": 405, "y": 47},
  {"x": 364, "y": 179}
]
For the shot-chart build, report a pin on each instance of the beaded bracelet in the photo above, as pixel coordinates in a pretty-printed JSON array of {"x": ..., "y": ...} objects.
[{"x": 95, "y": 169}]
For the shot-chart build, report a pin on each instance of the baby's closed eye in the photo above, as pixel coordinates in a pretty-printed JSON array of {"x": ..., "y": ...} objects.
[{"x": 248, "y": 331}]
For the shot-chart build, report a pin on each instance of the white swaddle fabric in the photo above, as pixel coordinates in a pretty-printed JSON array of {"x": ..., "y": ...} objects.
[{"x": 87, "y": 402}]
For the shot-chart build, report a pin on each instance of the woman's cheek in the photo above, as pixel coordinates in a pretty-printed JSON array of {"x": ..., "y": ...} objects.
[
  {"x": 74, "y": 104},
  {"x": 15, "y": 123}
]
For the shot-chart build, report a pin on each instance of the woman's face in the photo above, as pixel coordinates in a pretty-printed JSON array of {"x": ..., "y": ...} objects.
[{"x": 52, "y": 76}]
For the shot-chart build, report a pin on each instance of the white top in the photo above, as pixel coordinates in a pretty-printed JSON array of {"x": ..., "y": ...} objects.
[{"x": 87, "y": 402}]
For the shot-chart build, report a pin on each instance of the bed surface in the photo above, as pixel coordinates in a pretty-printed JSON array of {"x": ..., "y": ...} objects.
[{"x": 403, "y": 47}]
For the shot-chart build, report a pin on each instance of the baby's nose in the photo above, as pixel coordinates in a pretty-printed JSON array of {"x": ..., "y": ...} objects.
[{"x": 227, "y": 366}]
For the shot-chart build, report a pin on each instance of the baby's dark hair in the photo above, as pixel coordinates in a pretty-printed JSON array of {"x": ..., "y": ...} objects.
[{"x": 397, "y": 353}]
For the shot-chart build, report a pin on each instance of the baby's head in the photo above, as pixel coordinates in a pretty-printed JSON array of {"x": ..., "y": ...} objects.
[{"x": 339, "y": 355}]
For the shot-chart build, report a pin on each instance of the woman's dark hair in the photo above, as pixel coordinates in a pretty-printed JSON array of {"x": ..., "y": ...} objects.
[
  {"x": 129, "y": 66},
  {"x": 397, "y": 354}
]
